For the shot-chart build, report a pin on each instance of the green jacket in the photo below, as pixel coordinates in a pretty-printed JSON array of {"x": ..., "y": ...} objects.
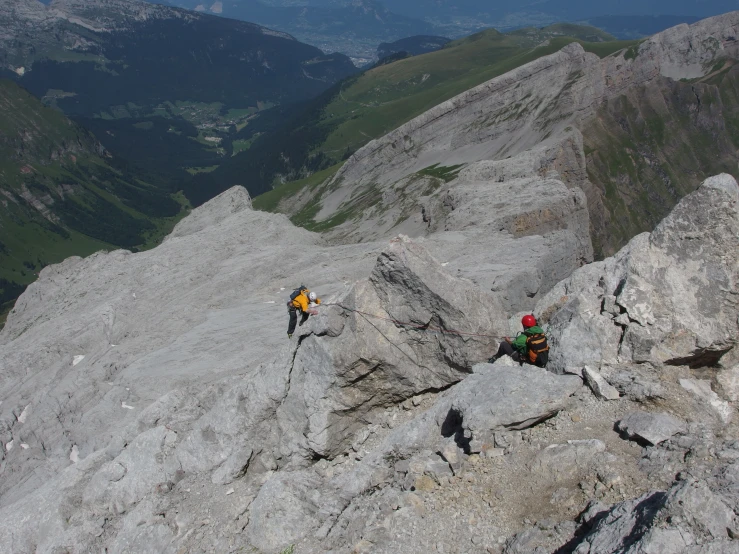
[{"x": 519, "y": 343}]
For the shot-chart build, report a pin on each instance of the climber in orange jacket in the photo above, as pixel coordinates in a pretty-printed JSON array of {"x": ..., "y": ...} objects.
[{"x": 301, "y": 301}]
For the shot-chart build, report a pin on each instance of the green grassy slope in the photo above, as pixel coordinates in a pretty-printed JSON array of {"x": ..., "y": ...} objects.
[
  {"x": 388, "y": 96},
  {"x": 368, "y": 106},
  {"x": 61, "y": 194},
  {"x": 649, "y": 148}
]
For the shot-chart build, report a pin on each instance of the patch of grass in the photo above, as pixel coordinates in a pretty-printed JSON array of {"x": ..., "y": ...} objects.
[
  {"x": 605, "y": 49},
  {"x": 243, "y": 144},
  {"x": 633, "y": 50},
  {"x": 270, "y": 201},
  {"x": 445, "y": 173},
  {"x": 196, "y": 170}
]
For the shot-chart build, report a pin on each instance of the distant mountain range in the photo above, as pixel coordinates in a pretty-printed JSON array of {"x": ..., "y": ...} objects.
[
  {"x": 354, "y": 28},
  {"x": 97, "y": 54},
  {"x": 561, "y": 9},
  {"x": 167, "y": 85}
]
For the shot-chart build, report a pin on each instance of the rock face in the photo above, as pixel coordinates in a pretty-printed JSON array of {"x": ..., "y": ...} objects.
[
  {"x": 687, "y": 518},
  {"x": 151, "y": 402},
  {"x": 204, "y": 305},
  {"x": 667, "y": 297},
  {"x": 391, "y": 337},
  {"x": 168, "y": 420}
]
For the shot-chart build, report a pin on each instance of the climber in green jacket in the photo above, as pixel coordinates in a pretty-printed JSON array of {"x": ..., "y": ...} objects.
[{"x": 530, "y": 346}]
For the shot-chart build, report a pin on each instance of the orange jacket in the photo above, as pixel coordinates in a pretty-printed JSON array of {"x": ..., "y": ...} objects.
[{"x": 301, "y": 301}]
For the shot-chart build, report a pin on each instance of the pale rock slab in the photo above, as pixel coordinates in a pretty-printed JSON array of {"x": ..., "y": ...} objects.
[
  {"x": 504, "y": 398},
  {"x": 564, "y": 461},
  {"x": 600, "y": 387},
  {"x": 652, "y": 428},
  {"x": 701, "y": 388}
]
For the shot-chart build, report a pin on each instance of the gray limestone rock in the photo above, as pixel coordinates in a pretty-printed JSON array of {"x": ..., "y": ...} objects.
[
  {"x": 564, "y": 461},
  {"x": 687, "y": 518},
  {"x": 235, "y": 466},
  {"x": 409, "y": 328},
  {"x": 502, "y": 398},
  {"x": 285, "y": 510},
  {"x": 600, "y": 387},
  {"x": 676, "y": 286},
  {"x": 652, "y": 428},
  {"x": 635, "y": 382}
]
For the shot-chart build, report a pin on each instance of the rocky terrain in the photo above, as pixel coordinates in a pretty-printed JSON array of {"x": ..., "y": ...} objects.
[
  {"x": 142, "y": 413},
  {"x": 635, "y": 131},
  {"x": 151, "y": 402}
]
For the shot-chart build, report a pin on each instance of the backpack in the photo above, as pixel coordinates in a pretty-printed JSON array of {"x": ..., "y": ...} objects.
[
  {"x": 537, "y": 350},
  {"x": 293, "y": 296}
]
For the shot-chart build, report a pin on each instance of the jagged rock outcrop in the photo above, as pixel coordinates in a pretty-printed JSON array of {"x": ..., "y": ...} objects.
[
  {"x": 667, "y": 297},
  {"x": 688, "y": 518},
  {"x": 408, "y": 329}
]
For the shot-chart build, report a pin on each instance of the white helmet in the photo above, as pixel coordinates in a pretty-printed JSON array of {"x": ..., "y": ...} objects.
[{"x": 312, "y": 296}]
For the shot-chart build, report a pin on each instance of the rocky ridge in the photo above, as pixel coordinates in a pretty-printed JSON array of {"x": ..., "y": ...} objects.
[
  {"x": 413, "y": 179},
  {"x": 364, "y": 433},
  {"x": 151, "y": 403}
]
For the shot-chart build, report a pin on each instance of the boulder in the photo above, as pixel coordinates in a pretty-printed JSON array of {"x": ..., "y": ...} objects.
[
  {"x": 652, "y": 428},
  {"x": 667, "y": 297},
  {"x": 600, "y": 387},
  {"x": 410, "y": 328},
  {"x": 499, "y": 397},
  {"x": 687, "y": 518}
]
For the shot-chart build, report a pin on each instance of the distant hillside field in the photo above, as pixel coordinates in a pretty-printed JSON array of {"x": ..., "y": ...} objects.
[{"x": 369, "y": 105}]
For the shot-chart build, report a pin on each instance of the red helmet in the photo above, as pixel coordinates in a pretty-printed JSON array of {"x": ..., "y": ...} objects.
[{"x": 528, "y": 321}]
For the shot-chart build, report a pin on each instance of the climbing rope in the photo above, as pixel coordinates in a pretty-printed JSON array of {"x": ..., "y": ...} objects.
[{"x": 427, "y": 328}]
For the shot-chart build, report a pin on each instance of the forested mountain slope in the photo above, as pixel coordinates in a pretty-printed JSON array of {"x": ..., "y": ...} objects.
[
  {"x": 168, "y": 86},
  {"x": 62, "y": 194}
]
